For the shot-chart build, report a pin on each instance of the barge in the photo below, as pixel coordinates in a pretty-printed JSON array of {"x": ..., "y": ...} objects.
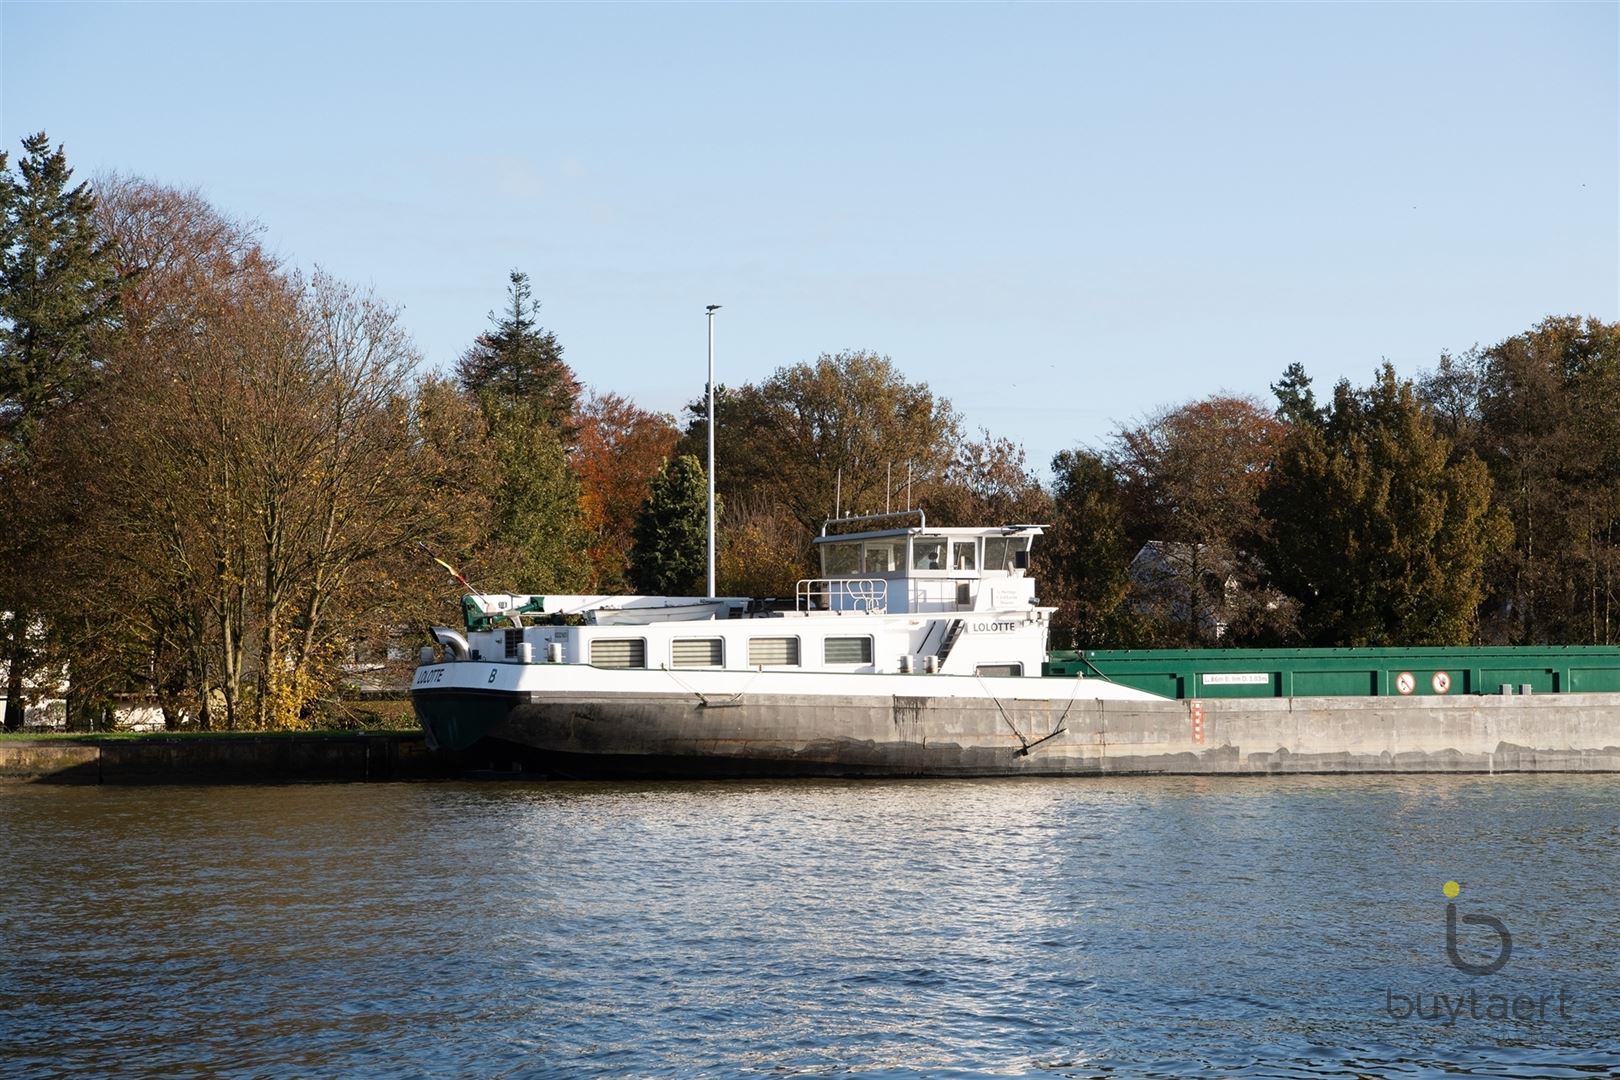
[{"x": 922, "y": 651}]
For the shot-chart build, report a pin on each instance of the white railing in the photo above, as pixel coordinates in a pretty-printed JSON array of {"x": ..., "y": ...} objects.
[{"x": 869, "y": 596}]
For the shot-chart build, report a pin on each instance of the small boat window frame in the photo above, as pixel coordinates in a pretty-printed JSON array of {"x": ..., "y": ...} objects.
[
  {"x": 929, "y": 554},
  {"x": 999, "y": 671},
  {"x": 634, "y": 641},
  {"x": 866, "y": 649},
  {"x": 717, "y": 647},
  {"x": 970, "y": 548},
  {"x": 797, "y": 650}
]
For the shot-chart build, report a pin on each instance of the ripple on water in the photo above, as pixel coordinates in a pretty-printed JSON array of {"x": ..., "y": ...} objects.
[{"x": 1172, "y": 927}]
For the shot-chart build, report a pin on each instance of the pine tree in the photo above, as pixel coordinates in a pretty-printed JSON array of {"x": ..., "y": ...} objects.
[
  {"x": 57, "y": 291},
  {"x": 518, "y": 367},
  {"x": 671, "y": 553}
]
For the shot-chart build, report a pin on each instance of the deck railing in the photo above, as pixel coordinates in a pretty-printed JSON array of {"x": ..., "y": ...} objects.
[{"x": 869, "y": 596}]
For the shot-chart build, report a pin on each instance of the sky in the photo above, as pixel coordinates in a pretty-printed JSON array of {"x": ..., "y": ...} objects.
[{"x": 1062, "y": 217}]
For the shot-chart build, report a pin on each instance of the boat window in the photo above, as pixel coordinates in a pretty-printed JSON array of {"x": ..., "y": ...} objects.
[
  {"x": 962, "y": 552},
  {"x": 773, "y": 652},
  {"x": 840, "y": 560},
  {"x": 619, "y": 652},
  {"x": 884, "y": 556},
  {"x": 848, "y": 650},
  {"x": 1001, "y": 552},
  {"x": 697, "y": 652},
  {"x": 990, "y": 671},
  {"x": 928, "y": 553}
]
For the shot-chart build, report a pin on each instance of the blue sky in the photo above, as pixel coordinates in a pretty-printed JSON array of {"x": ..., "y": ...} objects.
[{"x": 1059, "y": 216}]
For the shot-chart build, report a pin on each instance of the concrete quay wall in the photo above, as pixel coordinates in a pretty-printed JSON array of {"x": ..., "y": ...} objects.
[
  {"x": 222, "y": 759},
  {"x": 1547, "y": 733}
]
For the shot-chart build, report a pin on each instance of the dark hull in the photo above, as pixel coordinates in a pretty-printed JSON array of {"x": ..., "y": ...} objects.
[{"x": 654, "y": 736}]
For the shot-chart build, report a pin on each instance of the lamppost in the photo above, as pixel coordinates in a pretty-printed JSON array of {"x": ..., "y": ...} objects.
[{"x": 711, "y": 309}]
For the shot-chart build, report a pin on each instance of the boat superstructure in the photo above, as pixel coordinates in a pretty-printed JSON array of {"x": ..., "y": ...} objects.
[{"x": 917, "y": 650}]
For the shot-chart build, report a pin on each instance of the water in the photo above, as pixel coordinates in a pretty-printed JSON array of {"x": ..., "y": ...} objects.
[{"x": 1172, "y": 927}]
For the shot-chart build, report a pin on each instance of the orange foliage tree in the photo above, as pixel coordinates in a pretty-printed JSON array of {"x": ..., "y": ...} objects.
[{"x": 621, "y": 447}]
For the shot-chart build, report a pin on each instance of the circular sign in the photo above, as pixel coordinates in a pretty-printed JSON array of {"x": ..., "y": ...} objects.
[
  {"x": 1405, "y": 683},
  {"x": 1442, "y": 682}
]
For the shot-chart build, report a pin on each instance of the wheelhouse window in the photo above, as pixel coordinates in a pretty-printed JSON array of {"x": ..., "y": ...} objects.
[
  {"x": 964, "y": 555},
  {"x": 884, "y": 556},
  {"x": 619, "y": 652},
  {"x": 773, "y": 652},
  {"x": 697, "y": 652},
  {"x": 990, "y": 671},
  {"x": 1001, "y": 552},
  {"x": 847, "y": 650},
  {"x": 928, "y": 553},
  {"x": 840, "y": 560}
]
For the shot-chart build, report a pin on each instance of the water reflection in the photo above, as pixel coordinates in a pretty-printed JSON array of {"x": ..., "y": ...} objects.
[{"x": 1148, "y": 927}]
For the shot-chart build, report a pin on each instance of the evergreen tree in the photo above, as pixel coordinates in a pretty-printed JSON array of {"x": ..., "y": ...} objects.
[
  {"x": 57, "y": 292},
  {"x": 1376, "y": 531},
  {"x": 538, "y": 525},
  {"x": 518, "y": 367},
  {"x": 57, "y": 287},
  {"x": 1296, "y": 401},
  {"x": 671, "y": 553},
  {"x": 1082, "y": 563}
]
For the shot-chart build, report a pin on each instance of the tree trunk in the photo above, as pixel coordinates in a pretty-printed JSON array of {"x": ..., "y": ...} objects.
[{"x": 16, "y": 668}]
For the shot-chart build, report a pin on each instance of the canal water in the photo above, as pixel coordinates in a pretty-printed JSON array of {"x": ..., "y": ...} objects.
[{"x": 1144, "y": 927}]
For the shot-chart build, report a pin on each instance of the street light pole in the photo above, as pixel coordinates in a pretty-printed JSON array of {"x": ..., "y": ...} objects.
[{"x": 711, "y": 309}]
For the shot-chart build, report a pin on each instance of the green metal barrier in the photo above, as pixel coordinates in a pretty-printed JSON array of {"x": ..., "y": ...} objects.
[{"x": 1241, "y": 673}]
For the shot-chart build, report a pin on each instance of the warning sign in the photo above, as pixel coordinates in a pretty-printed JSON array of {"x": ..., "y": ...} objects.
[
  {"x": 1441, "y": 682},
  {"x": 1405, "y": 683}
]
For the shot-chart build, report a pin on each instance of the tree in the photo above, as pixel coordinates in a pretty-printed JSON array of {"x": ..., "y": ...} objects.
[
  {"x": 1376, "y": 531},
  {"x": 518, "y": 366},
  {"x": 1296, "y": 401},
  {"x": 620, "y": 449},
  {"x": 528, "y": 397},
  {"x": 987, "y": 483},
  {"x": 1081, "y": 565},
  {"x": 57, "y": 288},
  {"x": 670, "y": 557},
  {"x": 57, "y": 291},
  {"x": 539, "y": 539},
  {"x": 1190, "y": 479},
  {"x": 847, "y": 426},
  {"x": 1546, "y": 420}
]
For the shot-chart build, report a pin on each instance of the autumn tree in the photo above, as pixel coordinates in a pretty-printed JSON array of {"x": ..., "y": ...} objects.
[
  {"x": 1377, "y": 530},
  {"x": 620, "y": 448},
  {"x": 987, "y": 483},
  {"x": 57, "y": 292},
  {"x": 847, "y": 426},
  {"x": 764, "y": 551},
  {"x": 1190, "y": 479},
  {"x": 670, "y": 557}
]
